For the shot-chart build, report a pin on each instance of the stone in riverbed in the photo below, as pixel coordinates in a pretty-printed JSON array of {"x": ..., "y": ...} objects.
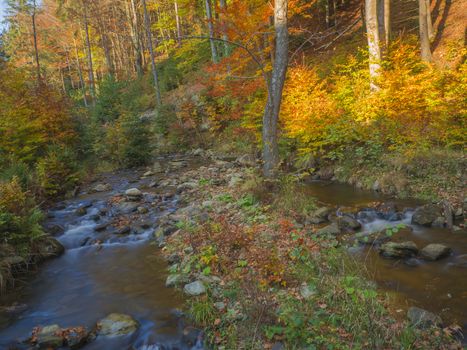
[
  {"x": 117, "y": 324},
  {"x": 195, "y": 288},
  {"x": 102, "y": 188},
  {"x": 435, "y": 251},
  {"x": 175, "y": 280},
  {"x": 422, "y": 318},
  {"x": 348, "y": 223},
  {"x": 426, "y": 214},
  {"x": 133, "y": 194},
  {"x": 47, "y": 247},
  {"x": 332, "y": 229},
  {"x": 398, "y": 250},
  {"x": 49, "y": 337},
  {"x": 81, "y": 211},
  {"x": 319, "y": 216},
  {"x": 127, "y": 207}
]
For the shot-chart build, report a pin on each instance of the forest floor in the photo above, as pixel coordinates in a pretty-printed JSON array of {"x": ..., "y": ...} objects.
[{"x": 266, "y": 267}]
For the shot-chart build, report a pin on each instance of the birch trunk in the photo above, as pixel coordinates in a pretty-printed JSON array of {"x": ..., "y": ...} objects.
[
  {"x": 36, "y": 50},
  {"x": 177, "y": 21},
  {"x": 209, "y": 17},
  {"x": 374, "y": 50}
]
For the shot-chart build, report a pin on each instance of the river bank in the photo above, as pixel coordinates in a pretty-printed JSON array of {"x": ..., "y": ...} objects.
[{"x": 261, "y": 264}]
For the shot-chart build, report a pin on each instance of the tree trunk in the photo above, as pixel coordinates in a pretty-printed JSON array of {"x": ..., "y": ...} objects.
[
  {"x": 223, "y": 6},
  {"x": 177, "y": 21},
  {"x": 424, "y": 35},
  {"x": 36, "y": 50},
  {"x": 431, "y": 34},
  {"x": 214, "y": 56},
  {"x": 80, "y": 74},
  {"x": 151, "y": 52},
  {"x": 371, "y": 19},
  {"x": 134, "y": 28},
  {"x": 271, "y": 113},
  {"x": 92, "y": 87},
  {"x": 387, "y": 22}
]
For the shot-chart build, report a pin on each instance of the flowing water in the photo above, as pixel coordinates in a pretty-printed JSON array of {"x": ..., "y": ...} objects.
[
  {"x": 438, "y": 286},
  {"x": 102, "y": 273}
]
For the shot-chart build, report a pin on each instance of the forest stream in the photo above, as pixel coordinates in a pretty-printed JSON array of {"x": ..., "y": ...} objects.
[{"x": 108, "y": 269}]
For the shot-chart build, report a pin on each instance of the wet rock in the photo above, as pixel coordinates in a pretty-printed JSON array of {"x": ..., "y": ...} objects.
[
  {"x": 54, "y": 229},
  {"x": 325, "y": 173},
  {"x": 47, "y": 247},
  {"x": 438, "y": 222},
  {"x": 319, "y": 216},
  {"x": 148, "y": 173},
  {"x": 81, "y": 211},
  {"x": 175, "y": 280},
  {"x": 386, "y": 210},
  {"x": 133, "y": 194},
  {"x": 435, "y": 251},
  {"x": 177, "y": 165},
  {"x": 104, "y": 187},
  {"x": 152, "y": 184},
  {"x": 347, "y": 223},
  {"x": 398, "y": 250},
  {"x": 460, "y": 261},
  {"x": 195, "y": 288},
  {"x": 142, "y": 210},
  {"x": 199, "y": 152},
  {"x": 76, "y": 337},
  {"x": 187, "y": 186},
  {"x": 332, "y": 229},
  {"x": 373, "y": 238},
  {"x": 422, "y": 318},
  {"x": 123, "y": 230},
  {"x": 427, "y": 214},
  {"x": 412, "y": 262},
  {"x": 49, "y": 337},
  {"x": 192, "y": 337},
  {"x": 127, "y": 207},
  {"x": 116, "y": 324},
  {"x": 101, "y": 227}
]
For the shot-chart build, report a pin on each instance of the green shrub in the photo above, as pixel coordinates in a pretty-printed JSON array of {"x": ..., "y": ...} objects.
[{"x": 58, "y": 171}]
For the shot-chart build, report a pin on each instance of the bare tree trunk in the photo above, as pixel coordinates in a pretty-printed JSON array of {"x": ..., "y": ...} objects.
[
  {"x": 36, "y": 50},
  {"x": 387, "y": 22},
  {"x": 223, "y": 6},
  {"x": 271, "y": 113},
  {"x": 371, "y": 19},
  {"x": 214, "y": 56},
  {"x": 134, "y": 28},
  {"x": 151, "y": 52},
  {"x": 431, "y": 34},
  {"x": 177, "y": 21},
  {"x": 424, "y": 35},
  {"x": 92, "y": 87},
  {"x": 80, "y": 74}
]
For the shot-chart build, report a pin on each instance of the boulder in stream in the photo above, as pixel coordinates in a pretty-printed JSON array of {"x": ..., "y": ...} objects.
[
  {"x": 133, "y": 194},
  {"x": 435, "y": 251},
  {"x": 47, "y": 247},
  {"x": 347, "y": 223},
  {"x": 116, "y": 324},
  {"x": 48, "y": 337},
  {"x": 175, "y": 280},
  {"x": 103, "y": 187},
  {"x": 422, "y": 318},
  {"x": 398, "y": 250},
  {"x": 427, "y": 214}
]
